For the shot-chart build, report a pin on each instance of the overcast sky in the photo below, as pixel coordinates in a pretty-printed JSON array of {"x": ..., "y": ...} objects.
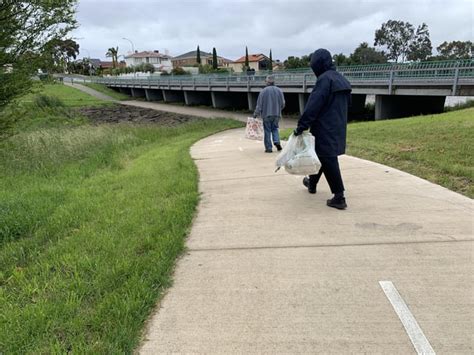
[{"x": 291, "y": 27}]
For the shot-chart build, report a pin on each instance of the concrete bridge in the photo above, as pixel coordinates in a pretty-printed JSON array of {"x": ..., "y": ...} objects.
[{"x": 400, "y": 89}]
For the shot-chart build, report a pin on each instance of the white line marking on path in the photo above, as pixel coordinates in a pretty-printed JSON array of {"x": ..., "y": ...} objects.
[{"x": 417, "y": 337}]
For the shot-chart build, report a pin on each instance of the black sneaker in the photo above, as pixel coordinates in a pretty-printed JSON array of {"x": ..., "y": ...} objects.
[
  {"x": 268, "y": 150},
  {"x": 278, "y": 146},
  {"x": 311, "y": 189},
  {"x": 339, "y": 203}
]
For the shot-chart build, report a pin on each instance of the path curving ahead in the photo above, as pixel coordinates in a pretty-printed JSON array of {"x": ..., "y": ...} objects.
[{"x": 271, "y": 269}]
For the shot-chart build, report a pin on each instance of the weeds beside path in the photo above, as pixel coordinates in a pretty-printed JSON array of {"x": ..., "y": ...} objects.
[{"x": 92, "y": 219}]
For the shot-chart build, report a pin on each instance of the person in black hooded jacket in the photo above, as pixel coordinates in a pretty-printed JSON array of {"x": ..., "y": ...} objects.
[{"x": 325, "y": 114}]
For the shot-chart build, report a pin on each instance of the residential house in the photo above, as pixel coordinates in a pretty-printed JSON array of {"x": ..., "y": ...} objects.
[
  {"x": 189, "y": 59},
  {"x": 161, "y": 62},
  {"x": 278, "y": 65},
  {"x": 107, "y": 65},
  {"x": 96, "y": 63},
  {"x": 256, "y": 62}
]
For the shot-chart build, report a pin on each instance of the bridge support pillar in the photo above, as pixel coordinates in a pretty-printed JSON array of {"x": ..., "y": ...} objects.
[
  {"x": 396, "y": 106},
  {"x": 197, "y": 98},
  {"x": 154, "y": 95},
  {"x": 302, "y": 100},
  {"x": 125, "y": 91},
  {"x": 252, "y": 99},
  {"x": 138, "y": 92},
  {"x": 173, "y": 96},
  {"x": 220, "y": 100}
]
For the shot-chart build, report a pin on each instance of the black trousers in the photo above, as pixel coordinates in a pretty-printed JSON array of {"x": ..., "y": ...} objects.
[{"x": 330, "y": 168}]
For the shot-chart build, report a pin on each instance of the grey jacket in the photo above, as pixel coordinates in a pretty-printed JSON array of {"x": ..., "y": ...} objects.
[{"x": 270, "y": 102}]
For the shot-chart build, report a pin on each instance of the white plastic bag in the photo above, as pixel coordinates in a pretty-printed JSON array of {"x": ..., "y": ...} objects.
[
  {"x": 254, "y": 129},
  {"x": 299, "y": 156}
]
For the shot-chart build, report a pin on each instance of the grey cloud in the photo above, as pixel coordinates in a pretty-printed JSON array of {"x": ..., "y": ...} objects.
[{"x": 288, "y": 27}]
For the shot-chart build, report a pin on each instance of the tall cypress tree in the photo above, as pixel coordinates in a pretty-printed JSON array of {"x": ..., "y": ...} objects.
[
  {"x": 247, "y": 58},
  {"x": 214, "y": 58},
  {"x": 198, "y": 56},
  {"x": 271, "y": 61}
]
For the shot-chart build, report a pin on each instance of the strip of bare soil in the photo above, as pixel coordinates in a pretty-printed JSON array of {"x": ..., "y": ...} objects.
[{"x": 122, "y": 113}]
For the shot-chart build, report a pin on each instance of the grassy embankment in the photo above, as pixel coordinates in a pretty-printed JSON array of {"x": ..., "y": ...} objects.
[
  {"x": 69, "y": 96},
  {"x": 92, "y": 219},
  {"x": 439, "y": 148},
  {"x": 108, "y": 91}
]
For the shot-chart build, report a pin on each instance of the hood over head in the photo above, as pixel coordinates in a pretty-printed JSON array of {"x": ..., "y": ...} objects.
[{"x": 321, "y": 61}]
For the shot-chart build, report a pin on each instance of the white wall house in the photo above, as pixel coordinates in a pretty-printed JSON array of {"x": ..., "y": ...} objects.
[{"x": 161, "y": 62}]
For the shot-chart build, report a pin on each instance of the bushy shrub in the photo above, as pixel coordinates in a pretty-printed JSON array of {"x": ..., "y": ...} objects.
[
  {"x": 179, "y": 71},
  {"x": 208, "y": 69}
]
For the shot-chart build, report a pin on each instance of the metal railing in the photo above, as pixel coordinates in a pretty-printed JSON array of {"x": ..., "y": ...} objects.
[{"x": 385, "y": 74}]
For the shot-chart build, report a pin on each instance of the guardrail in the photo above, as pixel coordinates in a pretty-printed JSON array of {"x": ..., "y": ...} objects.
[{"x": 442, "y": 72}]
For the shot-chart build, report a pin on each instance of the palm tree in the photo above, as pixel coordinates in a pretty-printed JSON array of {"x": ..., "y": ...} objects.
[{"x": 113, "y": 53}]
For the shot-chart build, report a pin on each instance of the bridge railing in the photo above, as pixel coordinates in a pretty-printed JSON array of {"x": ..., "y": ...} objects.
[{"x": 387, "y": 73}]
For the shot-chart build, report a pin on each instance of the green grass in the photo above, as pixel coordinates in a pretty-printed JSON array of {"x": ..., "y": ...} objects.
[
  {"x": 107, "y": 91},
  {"x": 70, "y": 96},
  {"x": 439, "y": 148},
  {"x": 92, "y": 219}
]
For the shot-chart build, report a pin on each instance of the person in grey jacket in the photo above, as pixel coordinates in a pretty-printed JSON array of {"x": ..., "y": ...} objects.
[{"x": 270, "y": 102}]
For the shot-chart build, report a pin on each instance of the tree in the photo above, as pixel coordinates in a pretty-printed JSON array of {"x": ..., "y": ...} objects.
[
  {"x": 147, "y": 68},
  {"x": 198, "y": 56},
  {"x": 403, "y": 42},
  {"x": 420, "y": 47},
  {"x": 364, "y": 54},
  {"x": 83, "y": 67},
  {"x": 271, "y": 60},
  {"x": 396, "y": 36},
  {"x": 247, "y": 65},
  {"x": 113, "y": 53},
  {"x": 296, "y": 62},
  {"x": 340, "y": 59},
  {"x": 58, "y": 54},
  {"x": 455, "y": 50},
  {"x": 26, "y": 28},
  {"x": 214, "y": 58}
]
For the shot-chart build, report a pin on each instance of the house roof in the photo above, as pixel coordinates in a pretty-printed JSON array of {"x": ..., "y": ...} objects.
[
  {"x": 147, "y": 54},
  {"x": 95, "y": 62},
  {"x": 252, "y": 58},
  {"x": 192, "y": 54},
  {"x": 106, "y": 64}
]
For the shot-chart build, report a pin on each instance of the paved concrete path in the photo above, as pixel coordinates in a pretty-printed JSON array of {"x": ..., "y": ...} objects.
[
  {"x": 90, "y": 91},
  {"x": 202, "y": 111},
  {"x": 271, "y": 269}
]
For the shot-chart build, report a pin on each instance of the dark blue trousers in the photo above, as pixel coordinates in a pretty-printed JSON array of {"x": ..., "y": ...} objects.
[{"x": 330, "y": 168}]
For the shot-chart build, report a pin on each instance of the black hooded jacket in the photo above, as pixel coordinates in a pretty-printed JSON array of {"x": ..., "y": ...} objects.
[{"x": 325, "y": 113}]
